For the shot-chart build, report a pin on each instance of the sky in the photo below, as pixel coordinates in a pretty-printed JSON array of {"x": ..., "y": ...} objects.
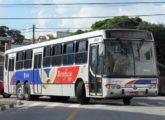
[{"x": 71, "y": 11}]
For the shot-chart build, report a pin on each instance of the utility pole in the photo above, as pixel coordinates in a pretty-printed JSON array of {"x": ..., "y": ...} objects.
[{"x": 33, "y": 34}]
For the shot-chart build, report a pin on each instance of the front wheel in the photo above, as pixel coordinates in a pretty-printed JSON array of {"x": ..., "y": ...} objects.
[
  {"x": 80, "y": 92},
  {"x": 19, "y": 92},
  {"x": 127, "y": 101}
]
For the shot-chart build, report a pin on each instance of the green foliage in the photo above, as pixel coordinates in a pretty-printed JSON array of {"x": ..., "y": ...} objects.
[
  {"x": 80, "y": 32},
  {"x": 117, "y": 22},
  {"x": 99, "y": 24},
  {"x": 14, "y": 34},
  {"x": 77, "y": 32},
  {"x": 3, "y": 31}
]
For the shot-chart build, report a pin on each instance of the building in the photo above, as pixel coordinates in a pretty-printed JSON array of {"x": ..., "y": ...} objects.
[
  {"x": 29, "y": 41},
  {"x": 49, "y": 36},
  {"x": 61, "y": 34},
  {"x": 55, "y": 35}
]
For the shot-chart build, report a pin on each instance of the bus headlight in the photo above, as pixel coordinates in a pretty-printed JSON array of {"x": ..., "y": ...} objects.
[
  {"x": 107, "y": 86},
  {"x": 113, "y": 86}
]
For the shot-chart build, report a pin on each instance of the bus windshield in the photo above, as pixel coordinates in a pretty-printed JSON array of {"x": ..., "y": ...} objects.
[{"x": 129, "y": 58}]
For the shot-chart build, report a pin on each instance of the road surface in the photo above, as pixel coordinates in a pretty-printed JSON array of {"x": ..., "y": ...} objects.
[{"x": 151, "y": 108}]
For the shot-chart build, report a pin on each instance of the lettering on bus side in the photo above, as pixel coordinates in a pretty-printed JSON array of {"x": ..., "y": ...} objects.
[{"x": 26, "y": 75}]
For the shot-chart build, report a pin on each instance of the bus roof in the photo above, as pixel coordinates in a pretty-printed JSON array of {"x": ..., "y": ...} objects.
[
  {"x": 71, "y": 38},
  {"x": 56, "y": 41}
]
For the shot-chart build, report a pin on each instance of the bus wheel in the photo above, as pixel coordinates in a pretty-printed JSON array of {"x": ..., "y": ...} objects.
[
  {"x": 80, "y": 92},
  {"x": 127, "y": 101},
  {"x": 27, "y": 92},
  {"x": 19, "y": 92},
  {"x": 5, "y": 95}
]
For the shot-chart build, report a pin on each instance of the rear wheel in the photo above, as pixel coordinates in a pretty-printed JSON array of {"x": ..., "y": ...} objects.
[
  {"x": 5, "y": 95},
  {"x": 27, "y": 92},
  {"x": 80, "y": 92},
  {"x": 127, "y": 101},
  {"x": 19, "y": 92}
]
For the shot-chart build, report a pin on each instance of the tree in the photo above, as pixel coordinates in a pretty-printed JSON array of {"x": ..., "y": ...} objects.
[
  {"x": 3, "y": 31},
  {"x": 14, "y": 34},
  {"x": 77, "y": 32},
  {"x": 117, "y": 22}
]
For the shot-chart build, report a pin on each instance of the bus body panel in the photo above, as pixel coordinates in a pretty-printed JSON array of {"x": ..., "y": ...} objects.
[{"x": 130, "y": 87}]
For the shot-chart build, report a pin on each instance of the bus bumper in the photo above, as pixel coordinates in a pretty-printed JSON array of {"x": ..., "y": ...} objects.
[{"x": 130, "y": 92}]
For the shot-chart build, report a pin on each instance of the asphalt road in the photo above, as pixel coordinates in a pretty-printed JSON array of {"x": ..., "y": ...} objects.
[{"x": 152, "y": 108}]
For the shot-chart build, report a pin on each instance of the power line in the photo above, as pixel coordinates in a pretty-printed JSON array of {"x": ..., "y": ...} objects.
[
  {"x": 75, "y": 4},
  {"x": 62, "y": 28},
  {"x": 69, "y": 28},
  {"x": 87, "y": 17}
]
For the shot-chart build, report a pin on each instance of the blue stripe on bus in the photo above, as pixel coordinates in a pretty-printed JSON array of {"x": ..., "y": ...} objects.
[
  {"x": 27, "y": 75},
  {"x": 145, "y": 82}
]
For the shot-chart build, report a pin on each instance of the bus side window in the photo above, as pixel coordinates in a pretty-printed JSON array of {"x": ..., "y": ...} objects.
[
  {"x": 19, "y": 61},
  {"x": 56, "y": 54},
  {"x": 47, "y": 56},
  {"x": 81, "y": 52},
  {"x": 11, "y": 64},
  {"x": 68, "y": 57},
  {"x": 28, "y": 59}
]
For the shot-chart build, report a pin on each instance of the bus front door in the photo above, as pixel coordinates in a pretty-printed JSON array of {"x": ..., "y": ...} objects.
[
  {"x": 37, "y": 82},
  {"x": 95, "y": 71}
]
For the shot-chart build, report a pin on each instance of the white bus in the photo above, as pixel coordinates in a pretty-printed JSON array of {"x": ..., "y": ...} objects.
[{"x": 105, "y": 64}]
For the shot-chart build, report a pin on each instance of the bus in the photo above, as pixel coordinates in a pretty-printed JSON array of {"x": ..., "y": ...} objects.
[{"x": 104, "y": 64}]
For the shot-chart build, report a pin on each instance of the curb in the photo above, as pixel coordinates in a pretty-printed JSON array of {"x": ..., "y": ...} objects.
[{"x": 8, "y": 105}]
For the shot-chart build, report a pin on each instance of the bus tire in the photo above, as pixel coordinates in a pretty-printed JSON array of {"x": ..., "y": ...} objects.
[
  {"x": 27, "y": 92},
  {"x": 80, "y": 92},
  {"x": 19, "y": 91},
  {"x": 127, "y": 101},
  {"x": 5, "y": 95}
]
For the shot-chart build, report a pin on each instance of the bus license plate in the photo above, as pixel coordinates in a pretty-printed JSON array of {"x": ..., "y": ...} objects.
[{"x": 134, "y": 93}]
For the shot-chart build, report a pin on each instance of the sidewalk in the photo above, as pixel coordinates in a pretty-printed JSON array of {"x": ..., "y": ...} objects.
[{"x": 6, "y": 104}]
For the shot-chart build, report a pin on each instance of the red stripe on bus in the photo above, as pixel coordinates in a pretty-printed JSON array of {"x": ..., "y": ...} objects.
[
  {"x": 66, "y": 74},
  {"x": 11, "y": 81},
  {"x": 131, "y": 82}
]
